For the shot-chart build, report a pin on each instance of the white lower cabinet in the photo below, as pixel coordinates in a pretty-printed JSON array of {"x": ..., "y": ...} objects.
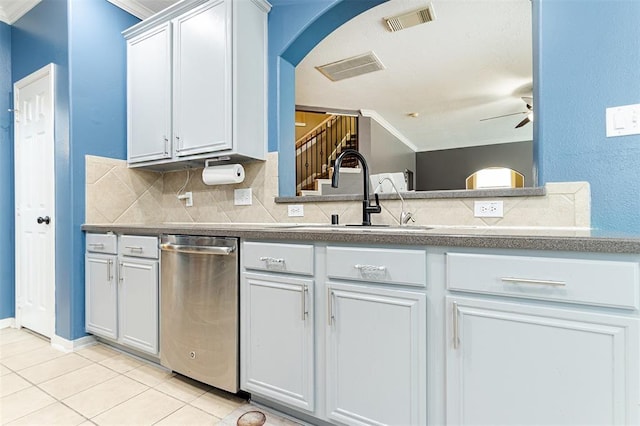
[
  {"x": 375, "y": 352},
  {"x": 101, "y": 294},
  {"x": 513, "y": 363},
  {"x": 342, "y": 334},
  {"x": 277, "y": 329},
  {"x": 121, "y": 290},
  {"x": 278, "y": 338},
  {"x": 138, "y": 304}
]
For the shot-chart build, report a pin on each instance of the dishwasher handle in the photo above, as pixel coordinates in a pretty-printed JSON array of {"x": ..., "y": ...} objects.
[{"x": 223, "y": 251}]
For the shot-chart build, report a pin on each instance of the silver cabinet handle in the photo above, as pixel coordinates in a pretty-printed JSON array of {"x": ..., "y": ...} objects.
[
  {"x": 96, "y": 245},
  {"x": 120, "y": 274},
  {"x": 456, "y": 336},
  {"x": 370, "y": 268},
  {"x": 134, "y": 248},
  {"x": 330, "y": 315},
  {"x": 109, "y": 266},
  {"x": 531, "y": 281},
  {"x": 271, "y": 260},
  {"x": 305, "y": 311},
  {"x": 166, "y": 145}
]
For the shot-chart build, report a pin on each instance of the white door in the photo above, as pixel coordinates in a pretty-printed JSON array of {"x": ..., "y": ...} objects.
[
  {"x": 34, "y": 199},
  {"x": 277, "y": 334},
  {"x": 515, "y": 364},
  {"x": 376, "y": 362}
]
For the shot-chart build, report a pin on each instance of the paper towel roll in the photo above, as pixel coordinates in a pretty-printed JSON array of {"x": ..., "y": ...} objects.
[{"x": 221, "y": 175}]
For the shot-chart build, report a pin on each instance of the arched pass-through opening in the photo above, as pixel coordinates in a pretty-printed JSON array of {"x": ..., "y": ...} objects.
[{"x": 282, "y": 102}]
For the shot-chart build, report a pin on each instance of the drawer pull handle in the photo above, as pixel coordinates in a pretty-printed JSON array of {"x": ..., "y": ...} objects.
[
  {"x": 370, "y": 268},
  {"x": 530, "y": 281},
  {"x": 134, "y": 248},
  {"x": 97, "y": 245},
  {"x": 271, "y": 260}
]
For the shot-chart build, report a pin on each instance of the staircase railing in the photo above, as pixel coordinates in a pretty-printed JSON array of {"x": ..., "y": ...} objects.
[{"x": 317, "y": 150}]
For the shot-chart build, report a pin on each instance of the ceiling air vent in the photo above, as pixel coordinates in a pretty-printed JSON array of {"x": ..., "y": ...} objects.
[
  {"x": 410, "y": 19},
  {"x": 351, "y": 67}
]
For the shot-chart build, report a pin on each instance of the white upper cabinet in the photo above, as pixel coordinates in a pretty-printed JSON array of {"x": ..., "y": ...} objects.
[
  {"x": 149, "y": 95},
  {"x": 202, "y": 80},
  {"x": 196, "y": 76}
]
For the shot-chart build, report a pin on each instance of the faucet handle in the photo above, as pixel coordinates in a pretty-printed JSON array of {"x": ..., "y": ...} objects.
[{"x": 376, "y": 207}]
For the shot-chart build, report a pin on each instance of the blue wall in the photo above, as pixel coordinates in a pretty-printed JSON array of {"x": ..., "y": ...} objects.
[
  {"x": 98, "y": 97},
  {"x": 589, "y": 59},
  {"x": 7, "y": 227},
  {"x": 83, "y": 39}
]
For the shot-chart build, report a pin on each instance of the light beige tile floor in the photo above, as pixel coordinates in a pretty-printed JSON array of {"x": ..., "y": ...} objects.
[{"x": 101, "y": 386}]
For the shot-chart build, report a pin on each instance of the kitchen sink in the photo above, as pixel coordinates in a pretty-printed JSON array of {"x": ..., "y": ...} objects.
[{"x": 353, "y": 227}]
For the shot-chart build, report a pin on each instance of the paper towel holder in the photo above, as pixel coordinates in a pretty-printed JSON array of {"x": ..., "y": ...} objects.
[{"x": 215, "y": 160}]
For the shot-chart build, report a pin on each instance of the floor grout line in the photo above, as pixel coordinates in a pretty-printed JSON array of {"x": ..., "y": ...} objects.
[{"x": 221, "y": 400}]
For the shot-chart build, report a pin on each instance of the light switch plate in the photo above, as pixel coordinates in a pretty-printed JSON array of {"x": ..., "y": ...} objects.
[
  {"x": 488, "y": 209},
  {"x": 242, "y": 197},
  {"x": 623, "y": 120}
]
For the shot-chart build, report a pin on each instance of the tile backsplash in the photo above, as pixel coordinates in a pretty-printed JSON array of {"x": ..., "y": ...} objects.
[{"x": 118, "y": 194}]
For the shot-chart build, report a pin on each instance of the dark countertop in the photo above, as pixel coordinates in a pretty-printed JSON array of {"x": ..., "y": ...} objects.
[{"x": 580, "y": 240}]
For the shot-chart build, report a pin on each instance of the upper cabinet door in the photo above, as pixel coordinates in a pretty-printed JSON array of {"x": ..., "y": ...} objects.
[
  {"x": 149, "y": 95},
  {"x": 202, "y": 80}
]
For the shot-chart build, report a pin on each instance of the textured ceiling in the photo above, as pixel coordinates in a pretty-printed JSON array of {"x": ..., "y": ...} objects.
[{"x": 474, "y": 61}]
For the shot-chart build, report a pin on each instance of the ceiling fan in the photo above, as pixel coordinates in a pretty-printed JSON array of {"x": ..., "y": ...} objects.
[{"x": 528, "y": 100}]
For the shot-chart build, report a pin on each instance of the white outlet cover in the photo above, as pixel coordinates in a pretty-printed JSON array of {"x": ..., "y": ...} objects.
[
  {"x": 295, "y": 210},
  {"x": 242, "y": 197},
  {"x": 488, "y": 209}
]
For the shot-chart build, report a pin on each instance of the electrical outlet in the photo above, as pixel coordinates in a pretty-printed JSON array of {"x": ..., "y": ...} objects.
[
  {"x": 188, "y": 197},
  {"x": 242, "y": 197},
  {"x": 296, "y": 210},
  {"x": 488, "y": 209}
]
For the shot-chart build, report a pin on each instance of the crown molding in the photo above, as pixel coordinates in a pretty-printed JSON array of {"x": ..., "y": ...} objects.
[
  {"x": 12, "y": 10},
  {"x": 134, "y": 7},
  {"x": 384, "y": 123}
]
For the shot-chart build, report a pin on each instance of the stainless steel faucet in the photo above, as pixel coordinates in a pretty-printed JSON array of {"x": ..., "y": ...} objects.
[
  {"x": 367, "y": 208},
  {"x": 405, "y": 216}
]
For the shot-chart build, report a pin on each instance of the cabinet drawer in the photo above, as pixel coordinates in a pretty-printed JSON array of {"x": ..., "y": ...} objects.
[
  {"x": 393, "y": 266},
  {"x": 102, "y": 243},
  {"x": 138, "y": 246},
  {"x": 592, "y": 282},
  {"x": 276, "y": 257}
]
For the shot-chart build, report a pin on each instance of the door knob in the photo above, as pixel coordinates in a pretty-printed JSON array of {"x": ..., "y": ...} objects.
[{"x": 45, "y": 219}]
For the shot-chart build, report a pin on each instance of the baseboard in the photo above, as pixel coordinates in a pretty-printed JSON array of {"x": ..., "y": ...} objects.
[
  {"x": 8, "y": 322},
  {"x": 65, "y": 345}
]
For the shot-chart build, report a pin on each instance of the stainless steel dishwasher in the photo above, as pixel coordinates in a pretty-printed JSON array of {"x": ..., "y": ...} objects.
[{"x": 199, "y": 308}]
